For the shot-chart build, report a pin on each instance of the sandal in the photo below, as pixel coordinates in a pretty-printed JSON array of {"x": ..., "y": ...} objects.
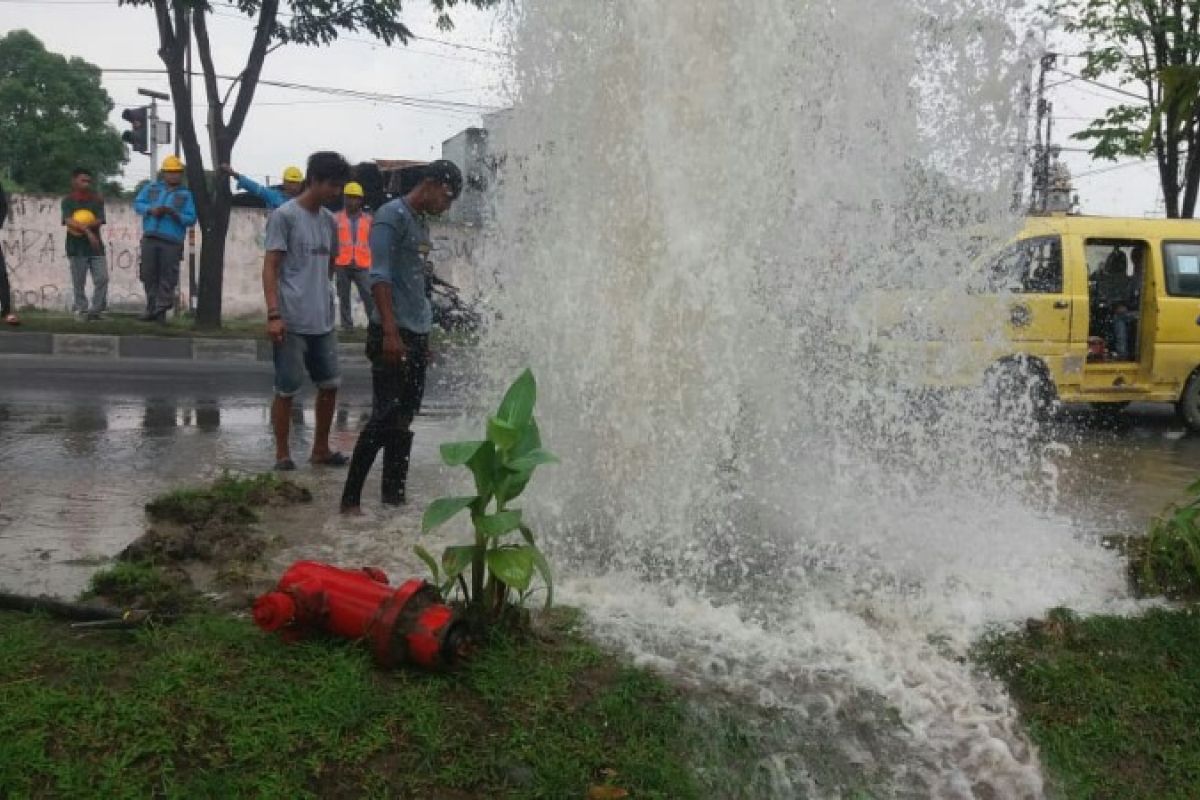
[
  {"x": 285, "y": 465},
  {"x": 331, "y": 460}
]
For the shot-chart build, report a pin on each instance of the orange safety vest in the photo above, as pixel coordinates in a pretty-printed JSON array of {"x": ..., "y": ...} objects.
[{"x": 355, "y": 251}]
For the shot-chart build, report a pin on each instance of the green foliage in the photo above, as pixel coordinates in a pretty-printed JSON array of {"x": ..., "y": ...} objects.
[
  {"x": 53, "y": 117},
  {"x": 142, "y": 586},
  {"x": 1167, "y": 560},
  {"x": 1111, "y": 702},
  {"x": 210, "y": 707},
  {"x": 1152, "y": 49},
  {"x": 230, "y": 499},
  {"x": 488, "y": 570}
]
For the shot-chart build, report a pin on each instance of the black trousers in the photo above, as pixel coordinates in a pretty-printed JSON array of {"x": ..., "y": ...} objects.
[{"x": 397, "y": 391}]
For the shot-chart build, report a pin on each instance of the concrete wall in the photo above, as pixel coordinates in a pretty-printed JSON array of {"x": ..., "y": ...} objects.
[{"x": 33, "y": 240}]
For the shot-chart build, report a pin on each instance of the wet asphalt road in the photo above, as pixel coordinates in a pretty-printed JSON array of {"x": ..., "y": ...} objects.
[{"x": 85, "y": 443}]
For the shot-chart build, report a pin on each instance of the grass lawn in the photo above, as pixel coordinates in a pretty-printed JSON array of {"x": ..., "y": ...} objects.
[
  {"x": 1112, "y": 702},
  {"x": 212, "y": 707},
  {"x": 126, "y": 324}
]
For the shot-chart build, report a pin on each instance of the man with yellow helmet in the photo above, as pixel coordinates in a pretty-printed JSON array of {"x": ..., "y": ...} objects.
[
  {"x": 293, "y": 184},
  {"x": 353, "y": 263},
  {"x": 83, "y": 215},
  {"x": 167, "y": 210}
]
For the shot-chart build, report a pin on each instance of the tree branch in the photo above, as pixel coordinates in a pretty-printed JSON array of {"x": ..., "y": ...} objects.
[
  {"x": 166, "y": 33},
  {"x": 204, "y": 48},
  {"x": 254, "y": 64}
]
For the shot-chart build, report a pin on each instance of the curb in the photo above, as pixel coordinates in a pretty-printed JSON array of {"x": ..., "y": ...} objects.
[{"x": 245, "y": 351}]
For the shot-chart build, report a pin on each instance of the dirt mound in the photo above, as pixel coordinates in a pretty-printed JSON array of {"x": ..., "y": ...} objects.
[{"x": 200, "y": 536}]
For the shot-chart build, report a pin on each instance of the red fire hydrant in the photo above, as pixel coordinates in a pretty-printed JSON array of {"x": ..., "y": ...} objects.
[{"x": 405, "y": 624}]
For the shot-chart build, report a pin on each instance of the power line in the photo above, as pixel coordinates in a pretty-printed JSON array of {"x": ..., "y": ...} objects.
[
  {"x": 1100, "y": 85},
  {"x": 1102, "y": 170},
  {"x": 380, "y": 97}
]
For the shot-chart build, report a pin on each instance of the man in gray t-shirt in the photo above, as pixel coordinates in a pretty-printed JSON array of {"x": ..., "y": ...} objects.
[
  {"x": 398, "y": 338},
  {"x": 301, "y": 249}
]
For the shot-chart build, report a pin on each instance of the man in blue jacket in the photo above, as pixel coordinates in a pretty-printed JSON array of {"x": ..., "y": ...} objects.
[
  {"x": 167, "y": 210},
  {"x": 293, "y": 184}
]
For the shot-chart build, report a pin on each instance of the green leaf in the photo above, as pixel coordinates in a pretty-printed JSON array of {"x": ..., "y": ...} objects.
[
  {"x": 455, "y": 454},
  {"x": 511, "y": 485},
  {"x": 531, "y": 439},
  {"x": 430, "y": 562},
  {"x": 533, "y": 458},
  {"x": 456, "y": 559},
  {"x": 512, "y": 565},
  {"x": 443, "y": 509},
  {"x": 498, "y": 524},
  {"x": 502, "y": 434},
  {"x": 483, "y": 467},
  {"x": 517, "y": 406}
]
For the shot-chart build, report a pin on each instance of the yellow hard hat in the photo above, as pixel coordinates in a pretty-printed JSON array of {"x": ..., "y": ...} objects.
[
  {"x": 353, "y": 190},
  {"x": 172, "y": 164},
  {"x": 84, "y": 217},
  {"x": 293, "y": 175}
]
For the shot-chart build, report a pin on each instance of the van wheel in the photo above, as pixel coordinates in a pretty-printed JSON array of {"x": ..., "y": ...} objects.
[
  {"x": 1188, "y": 407},
  {"x": 1021, "y": 389}
]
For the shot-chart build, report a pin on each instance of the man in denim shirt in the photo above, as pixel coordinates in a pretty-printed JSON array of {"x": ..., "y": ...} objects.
[
  {"x": 167, "y": 210},
  {"x": 293, "y": 184},
  {"x": 398, "y": 337}
]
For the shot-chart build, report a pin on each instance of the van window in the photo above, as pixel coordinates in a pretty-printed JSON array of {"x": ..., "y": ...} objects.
[
  {"x": 1182, "y": 261},
  {"x": 1030, "y": 266}
]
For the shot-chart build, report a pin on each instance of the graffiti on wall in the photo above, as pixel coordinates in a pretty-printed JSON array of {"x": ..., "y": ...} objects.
[{"x": 34, "y": 245}]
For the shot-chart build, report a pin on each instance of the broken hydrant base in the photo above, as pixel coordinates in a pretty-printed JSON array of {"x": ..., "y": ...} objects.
[{"x": 408, "y": 624}]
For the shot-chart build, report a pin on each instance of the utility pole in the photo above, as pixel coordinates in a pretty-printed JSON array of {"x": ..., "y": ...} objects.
[
  {"x": 1045, "y": 130},
  {"x": 1026, "y": 101}
]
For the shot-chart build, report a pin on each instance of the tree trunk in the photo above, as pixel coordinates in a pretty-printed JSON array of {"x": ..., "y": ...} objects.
[
  {"x": 211, "y": 281},
  {"x": 1170, "y": 189}
]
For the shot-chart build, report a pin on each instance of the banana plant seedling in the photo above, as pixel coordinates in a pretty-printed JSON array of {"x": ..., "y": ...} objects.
[{"x": 501, "y": 561}]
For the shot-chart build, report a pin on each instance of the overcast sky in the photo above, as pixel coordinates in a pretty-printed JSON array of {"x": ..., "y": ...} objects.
[{"x": 286, "y": 125}]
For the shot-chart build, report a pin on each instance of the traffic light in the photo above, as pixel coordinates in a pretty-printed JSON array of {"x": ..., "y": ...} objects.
[{"x": 137, "y": 137}]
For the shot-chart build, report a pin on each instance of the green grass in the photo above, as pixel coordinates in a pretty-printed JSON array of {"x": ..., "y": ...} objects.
[
  {"x": 1112, "y": 702},
  {"x": 212, "y": 707},
  {"x": 230, "y": 499},
  {"x": 1167, "y": 560},
  {"x": 142, "y": 586},
  {"x": 126, "y": 324}
]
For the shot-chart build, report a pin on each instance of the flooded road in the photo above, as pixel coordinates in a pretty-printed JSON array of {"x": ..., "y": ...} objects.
[{"x": 85, "y": 445}]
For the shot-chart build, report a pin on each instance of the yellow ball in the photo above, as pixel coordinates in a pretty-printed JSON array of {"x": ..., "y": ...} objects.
[{"x": 84, "y": 217}]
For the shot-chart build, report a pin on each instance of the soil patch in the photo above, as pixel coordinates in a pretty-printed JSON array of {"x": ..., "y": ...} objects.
[{"x": 201, "y": 539}]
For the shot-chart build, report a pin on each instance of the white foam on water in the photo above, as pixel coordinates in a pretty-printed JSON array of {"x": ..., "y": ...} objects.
[{"x": 698, "y": 203}]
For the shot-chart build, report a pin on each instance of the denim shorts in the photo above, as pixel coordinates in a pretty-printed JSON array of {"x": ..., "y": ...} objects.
[{"x": 300, "y": 352}]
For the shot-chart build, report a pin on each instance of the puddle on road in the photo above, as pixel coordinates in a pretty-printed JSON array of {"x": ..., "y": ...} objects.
[{"x": 77, "y": 476}]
